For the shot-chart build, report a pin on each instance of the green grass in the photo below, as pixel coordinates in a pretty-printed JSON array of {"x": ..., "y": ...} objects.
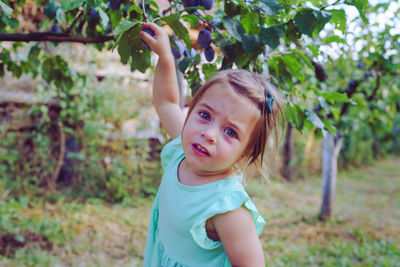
[{"x": 364, "y": 229}]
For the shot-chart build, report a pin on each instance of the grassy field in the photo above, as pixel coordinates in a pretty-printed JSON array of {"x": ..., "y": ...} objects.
[{"x": 363, "y": 231}]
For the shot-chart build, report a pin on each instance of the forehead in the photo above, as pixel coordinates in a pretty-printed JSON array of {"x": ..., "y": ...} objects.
[{"x": 230, "y": 105}]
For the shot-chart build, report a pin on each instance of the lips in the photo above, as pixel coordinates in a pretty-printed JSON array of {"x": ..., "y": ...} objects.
[{"x": 200, "y": 150}]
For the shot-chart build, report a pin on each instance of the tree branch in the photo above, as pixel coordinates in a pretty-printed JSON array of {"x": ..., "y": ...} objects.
[
  {"x": 378, "y": 83},
  {"x": 144, "y": 11},
  {"x": 80, "y": 14},
  {"x": 350, "y": 90},
  {"x": 53, "y": 37},
  {"x": 333, "y": 4}
]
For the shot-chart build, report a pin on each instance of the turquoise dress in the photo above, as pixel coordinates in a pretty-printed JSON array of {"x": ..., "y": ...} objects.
[{"x": 177, "y": 230}]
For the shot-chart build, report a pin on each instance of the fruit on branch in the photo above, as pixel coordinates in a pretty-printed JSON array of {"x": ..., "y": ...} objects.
[
  {"x": 55, "y": 29},
  {"x": 204, "y": 38},
  {"x": 115, "y": 4},
  {"x": 353, "y": 84},
  {"x": 360, "y": 65},
  {"x": 190, "y": 3},
  {"x": 178, "y": 52},
  {"x": 93, "y": 13},
  {"x": 149, "y": 31},
  {"x": 209, "y": 53},
  {"x": 207, "y": 4},
  {"x": 368, "y": 74}
]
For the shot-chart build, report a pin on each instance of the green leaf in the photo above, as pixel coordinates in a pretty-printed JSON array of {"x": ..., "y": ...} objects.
[
  {"x": 323, "y": 103},
  {"x": 104, "y": 19},
  {"x": 331, "y": 97},
  {"x": 60, "y": 16},
  {"x": 124, "y": 26},
  {"x": 131, "y": 49},
  {"x": 68, "y": 5},
  {"x": 361, "y": 5},
  {"x": 115, "y": 16},
  {"x": 292, "y": 32},
  {"x": 301, "y": 56},
  {"x": 250, "y": 22},
  {"x": 178, "y": 28},
  {"x": 184, "y": 64},
  {"x": 314, "y": 49},
  {"x": 314, "y": 119},
  {"x": 271, "y": 35},
  {"x": 124, "y": 48},
  {"x": 293, "y": 66},
  {"x": 231, "y": 8},
  {"x": 329, "y": 126},
  {"x": 209, "y": 70},
  {"x": 10, "y": 21},
  {"x": 252, "y": 45},
  {"x": 309, "y": 20},
  {"x": 339, "y": 19},
  {"x": 6, "y": 9},
  {"x": 192, "y": 19},
  {"x": 93, "y": 3},
  {"x": 296, "y": 115},
  {"x": 270, "y": 6},
  {"x": 334, "y": 39},
  {"x": 234, "y": 28},
  {"x": 50, "y": 9}
]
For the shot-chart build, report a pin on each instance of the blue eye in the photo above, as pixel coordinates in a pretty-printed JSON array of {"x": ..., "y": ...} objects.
[
  {"x": 204, "y": 115},
  {"x": 230, "y": 132}
]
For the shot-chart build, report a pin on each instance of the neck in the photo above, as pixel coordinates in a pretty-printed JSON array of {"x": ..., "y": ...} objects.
[{"x": 188, "y": 176}]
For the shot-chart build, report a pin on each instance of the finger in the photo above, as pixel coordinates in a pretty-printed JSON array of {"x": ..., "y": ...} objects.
[
  {"x": 147, "y": 38},
  {"x": 158, "y": 31}
]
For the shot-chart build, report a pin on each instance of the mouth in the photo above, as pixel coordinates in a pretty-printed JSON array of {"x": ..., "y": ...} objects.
[{"x": 199, "y": 150}]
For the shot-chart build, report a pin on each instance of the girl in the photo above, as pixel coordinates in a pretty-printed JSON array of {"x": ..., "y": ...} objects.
[{"x": 202, "y": 216}]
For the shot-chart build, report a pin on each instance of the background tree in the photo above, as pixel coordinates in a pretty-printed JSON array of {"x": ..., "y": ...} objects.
[{"x": 279, "y": 38}]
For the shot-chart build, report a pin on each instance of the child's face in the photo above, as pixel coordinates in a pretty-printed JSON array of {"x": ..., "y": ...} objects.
[{"x": 217, "y": 131}]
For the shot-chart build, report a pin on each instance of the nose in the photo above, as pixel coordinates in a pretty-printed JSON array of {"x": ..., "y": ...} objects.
[{"x": 210, "y": 134}]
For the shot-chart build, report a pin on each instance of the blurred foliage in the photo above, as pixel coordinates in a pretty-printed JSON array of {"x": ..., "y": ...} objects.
[{"x": 115, "y": 170}]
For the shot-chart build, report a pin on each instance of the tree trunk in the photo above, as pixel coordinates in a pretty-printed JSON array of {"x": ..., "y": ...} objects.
[
  {"x": 287, "y": 170},
  {"x": 330, "y": 150}
]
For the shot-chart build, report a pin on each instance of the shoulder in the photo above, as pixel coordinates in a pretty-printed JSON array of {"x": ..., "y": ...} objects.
[{"x": 172, "y": 150}]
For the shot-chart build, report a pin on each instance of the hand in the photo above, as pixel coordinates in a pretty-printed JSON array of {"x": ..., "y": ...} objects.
[{"x": 159, "y": 43}]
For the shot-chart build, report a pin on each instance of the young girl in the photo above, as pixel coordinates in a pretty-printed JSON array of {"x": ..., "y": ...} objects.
[{"x": 202, "y": 215}]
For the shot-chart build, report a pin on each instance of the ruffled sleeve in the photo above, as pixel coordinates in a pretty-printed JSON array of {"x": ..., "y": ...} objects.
[
  {"x": 228, "y": 202},
  {"x": 171, "y": 151}
]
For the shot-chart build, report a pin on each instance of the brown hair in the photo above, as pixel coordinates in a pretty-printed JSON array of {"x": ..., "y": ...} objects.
[{"x": 254, "y": 87}]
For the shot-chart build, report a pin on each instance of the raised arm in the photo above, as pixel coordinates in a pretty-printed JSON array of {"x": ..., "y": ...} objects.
[{"x": 165, "y": 86}]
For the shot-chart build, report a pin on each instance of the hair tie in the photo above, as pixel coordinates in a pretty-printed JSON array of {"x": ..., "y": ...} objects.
[{"x": 269, "y": 101}]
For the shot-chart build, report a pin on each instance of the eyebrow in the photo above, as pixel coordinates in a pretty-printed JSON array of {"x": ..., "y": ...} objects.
[{"x": 231, "y": 123}]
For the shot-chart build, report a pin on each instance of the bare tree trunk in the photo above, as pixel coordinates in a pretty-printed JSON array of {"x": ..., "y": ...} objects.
[
  {"x": 287, "y": 171},
  {"x": 330, "y": 150}
]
